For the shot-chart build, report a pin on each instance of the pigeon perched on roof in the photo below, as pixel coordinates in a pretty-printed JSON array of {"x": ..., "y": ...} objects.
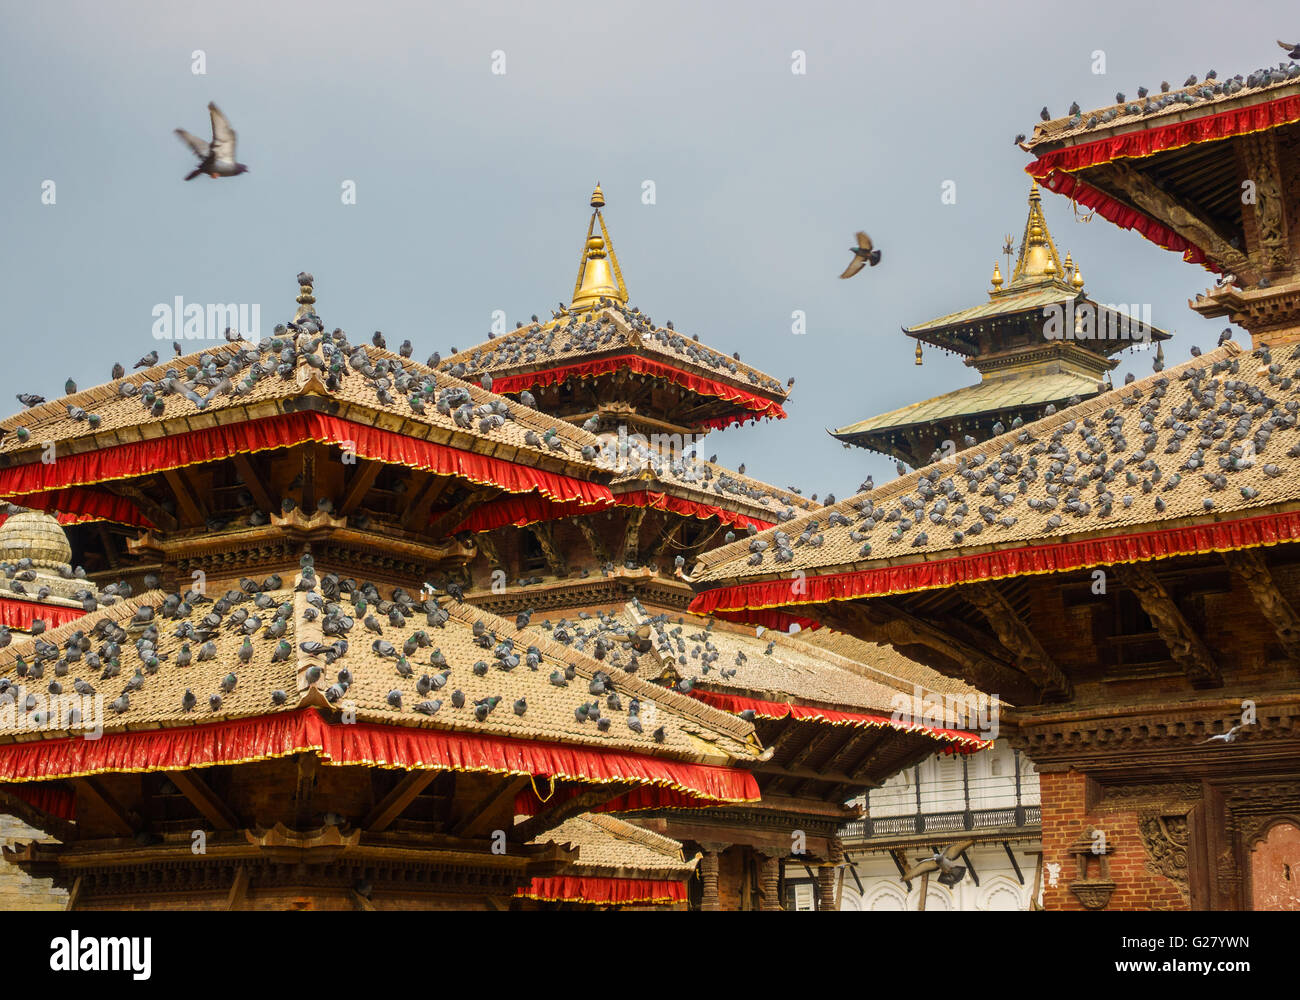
[{"x": 216, "y": 158}]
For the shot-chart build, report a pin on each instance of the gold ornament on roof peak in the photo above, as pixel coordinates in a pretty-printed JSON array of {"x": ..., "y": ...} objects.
[
  {"x": 997, "y": 277},
  {"x": 599, "y": 275},
  {"x": 1038, "y": 258}
]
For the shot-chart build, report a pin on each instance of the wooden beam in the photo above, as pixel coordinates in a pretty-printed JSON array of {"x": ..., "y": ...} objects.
[
  {"x": 106, "y": 540},
  {"x": 419, "y": 499},
  {"x": 190, "y": 506},
  {"x": 305, "y": 789},
  {"x": 74, "y": 894},
  {"x": 878, "y": 620},
  {"x": 254, "y": 483},
  {"x": 1182, "y": 218},
  {"x": 1251, "y": 568},
  {"x": 148, "y": 506},
  {"x": 471, "y": 823},
  {"x": 447, "y": 521},
  {"x": 545, "y": 535},
  {"x": 238, "y": 889},
  {"x": 359, "y": 485},
  {"x": 532, "y": 828},
  {"x": 1017, "y": 638},
  {"x": 60, "y": 829},
  {"x": 122, "y": 820},
  {"x": 666, "y": 538},
  {"x": 632, "y": 532},
  {"x": 395, "y": 802},
  {"x": 487, "y": 544},
  {"x": 308, "y": 473},
  {"x": 594, "y": 541},
  {"x": 194, "y": 788},
  {"x": 359, "y": 902},
  {"x": 1185, "y": 646}
]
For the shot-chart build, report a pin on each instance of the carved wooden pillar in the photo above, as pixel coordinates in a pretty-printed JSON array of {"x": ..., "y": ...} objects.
[
  {"x": 769, "y": 881},
  {"x": 710, "y": 899},
  {"x": 826, "y": 876}
]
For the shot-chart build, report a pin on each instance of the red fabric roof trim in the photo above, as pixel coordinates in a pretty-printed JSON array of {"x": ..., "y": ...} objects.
[
  {"x": 1148, "y": 142},
  {"x": 286, "y": 430},
  {"x": 604, "y": 891},
  {"x": 1127, "y": 218},
  {"x": 79, "y": 505},
  {"x": 758, "y": 406},
  {"x": 689, "y": 508},
  {"x": 63, "y": 518},
  {"x": 1053, "y": 169},
  {"x": 53, "y": 800},
  {"x": 20, "y": 614},
  {"x": 959, "y": 740},
  {"x": 270, "y": 736},
  {"x": 521, "y": 511},
  {"x": 740, "y": 602}
]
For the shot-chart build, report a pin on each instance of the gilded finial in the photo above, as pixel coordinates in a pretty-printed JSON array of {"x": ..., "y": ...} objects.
[
  {"x": 1038, "y": 257},
  {"x": 1077, "y": 279},
  {"x": 997, "y": 277},
  {"x": 599, "y": 275},
  {"x": 918, "y": 352}
]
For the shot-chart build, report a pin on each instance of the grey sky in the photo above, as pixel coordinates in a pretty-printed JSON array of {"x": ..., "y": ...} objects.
[{"x": 472, "y": 187}]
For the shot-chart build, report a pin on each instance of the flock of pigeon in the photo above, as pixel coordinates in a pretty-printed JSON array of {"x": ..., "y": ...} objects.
[
  {"x": 1191, "y": 92},
  {"x": 580, "y": 332},
  {"x": 1143, "y": 442},
  {"x": 401, "y": 631}
]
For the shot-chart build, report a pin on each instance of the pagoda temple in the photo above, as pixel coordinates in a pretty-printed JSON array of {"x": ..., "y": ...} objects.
[
  {"x": 291, "y": 715},
  {"x": 1025, "y": 365},
  {"x": 1124, "y": 570},
  {"x": 612, "y": 573}
]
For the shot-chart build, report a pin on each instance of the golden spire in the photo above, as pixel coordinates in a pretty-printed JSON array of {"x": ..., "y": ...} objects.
[
  {"x": 997, "y": 277},
  {"x": 1038, "y": 258},
  {"x": 599, "y": 275}
]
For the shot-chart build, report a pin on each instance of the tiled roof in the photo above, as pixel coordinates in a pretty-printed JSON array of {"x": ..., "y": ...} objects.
[
  {"x": 1206, "y": 97},
  {"x": 732, "y": 659},
  {"x": 1207, "y": 440},
  {"x": 711, "y": 483},
  {"x": 691, "y": 731},
  {"x": 122, "y": 418},
  {"x": 605, "y": 841},
  {"x": 582, "y": 335},
  {"x": 994, "y": 394},
  {"x": 884, "y": 663}
]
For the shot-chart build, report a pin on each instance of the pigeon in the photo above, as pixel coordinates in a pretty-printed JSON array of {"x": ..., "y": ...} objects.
[
  {"x": 1045, "y": 115},
  {"x": 30, "y": 399},
  {"x": 1293, "y": 50},
  {"x": 864, "y": 253},
  {"x": 188, "y": 701},
  {"x": 1229, "y": 737},
  {"x": 148, "y": 361},
  {"x": 217, "y": 158}
]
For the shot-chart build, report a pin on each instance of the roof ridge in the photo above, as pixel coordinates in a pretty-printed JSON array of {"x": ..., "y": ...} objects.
[
  {"x": 905, "y": 483},
  {"x": 624, "y": 830}
]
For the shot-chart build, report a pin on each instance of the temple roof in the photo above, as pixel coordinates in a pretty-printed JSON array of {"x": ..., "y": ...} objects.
[
  {"x": 1130, "y": 460},
  {"x": 123, "y": 419},
  {"x": 713, "y": 485},
  {"x": 1178, "y": 104},
  {"x": 599, "y": 324},
  {"x": 691, "y": 731},
  {"x": 607, "y": 842}
]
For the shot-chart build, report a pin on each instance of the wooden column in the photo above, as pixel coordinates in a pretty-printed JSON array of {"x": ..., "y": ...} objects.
[
  {"x": 709, "y": 876},
  {"x": 769, "y": 881}
]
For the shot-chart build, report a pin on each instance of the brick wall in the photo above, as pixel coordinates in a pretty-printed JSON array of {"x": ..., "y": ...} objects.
[
  {"x": 1065, "y": 818},
  {"x": 18, "y": 890}
]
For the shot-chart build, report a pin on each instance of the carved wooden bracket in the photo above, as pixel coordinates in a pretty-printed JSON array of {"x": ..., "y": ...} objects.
[
  {"x": 1185, "y": 646},
  {"x": 1182, "y": 219},
  {"x": 1250, "y": 566},
  {"x": 1015, "y": 635}
]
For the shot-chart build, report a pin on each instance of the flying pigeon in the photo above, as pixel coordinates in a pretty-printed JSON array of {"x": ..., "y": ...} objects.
[
  {"x": 217, "y": 158},
  {"x": 1293, "y": 49},
  {"x": 1229, "y": 737},
  {"x": 864, "y": 253}
]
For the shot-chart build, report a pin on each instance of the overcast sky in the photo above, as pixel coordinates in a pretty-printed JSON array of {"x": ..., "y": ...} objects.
[{"x": 472, "y": 186}]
